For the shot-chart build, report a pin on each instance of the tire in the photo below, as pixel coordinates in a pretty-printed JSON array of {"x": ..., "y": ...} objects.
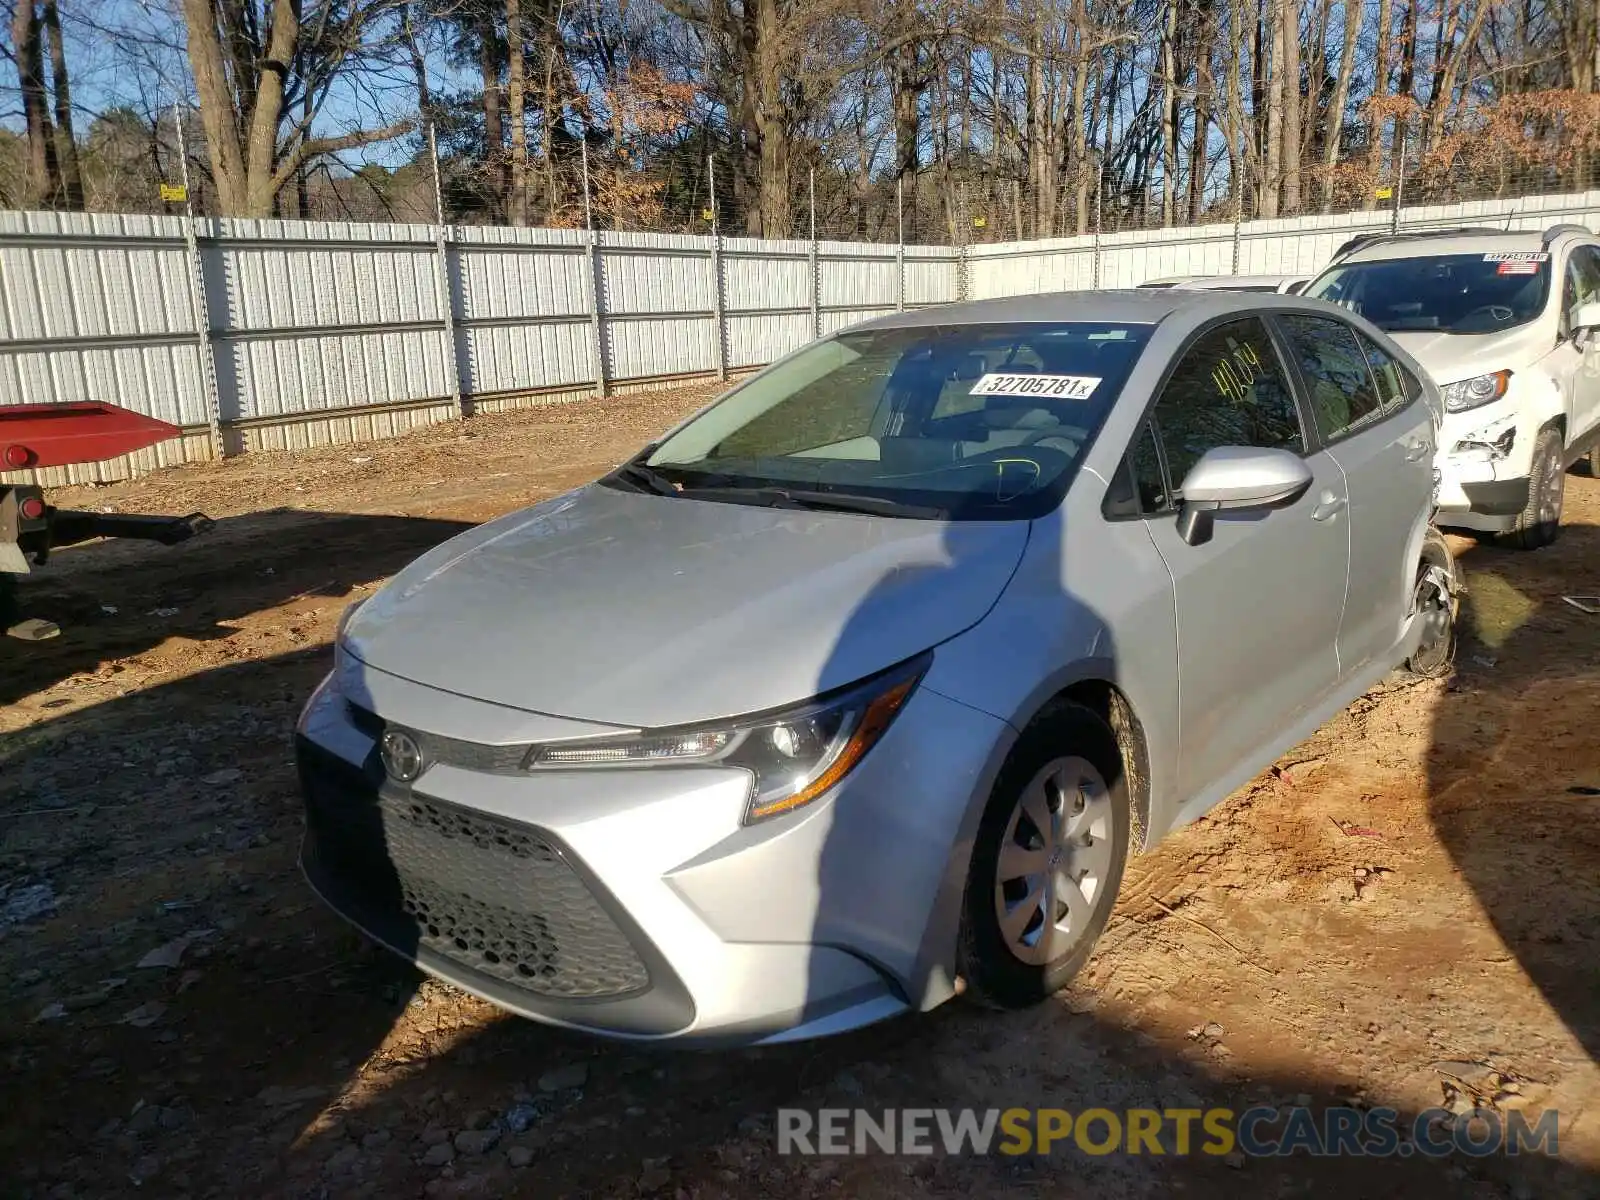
[
  {"x": 1593, "y": 459},
  {"x": 8, "y": 601},
  {"x": 1435, "y": 656},
  {"x": 1067, "y": 761},
  {"x": 1540, "y": 522}
]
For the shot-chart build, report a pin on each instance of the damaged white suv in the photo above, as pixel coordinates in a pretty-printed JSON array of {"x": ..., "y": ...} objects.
[{"x": 1508, "y": 324}]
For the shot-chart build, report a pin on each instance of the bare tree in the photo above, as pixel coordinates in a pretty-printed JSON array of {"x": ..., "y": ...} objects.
[{"x": 253, "y": 62}]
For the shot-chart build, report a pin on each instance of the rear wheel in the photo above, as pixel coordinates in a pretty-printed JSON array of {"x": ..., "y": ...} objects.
[
  {"x": 1435, "y": 600},
  {"x": 1540, "y": 522},
  {"x": 1047, "y": 861}
]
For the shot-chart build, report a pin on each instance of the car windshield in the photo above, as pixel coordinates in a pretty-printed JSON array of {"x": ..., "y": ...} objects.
[
  {"x": 946, "y": 422},
  {"x": 1447, "y": 293}
]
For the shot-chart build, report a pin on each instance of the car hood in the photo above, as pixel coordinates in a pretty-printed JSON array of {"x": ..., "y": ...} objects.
[
  {"x": 1450, "y": 357},
  {"x": 641, "y": 611}
]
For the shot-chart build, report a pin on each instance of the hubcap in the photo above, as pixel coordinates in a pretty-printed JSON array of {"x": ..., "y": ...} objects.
[
  {"x": 1431, "y": 603},
  {"x": 1054, "y": 860},
  {"x": 1550, "y": 481}
]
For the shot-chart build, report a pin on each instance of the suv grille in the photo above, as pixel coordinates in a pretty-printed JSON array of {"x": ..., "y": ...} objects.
[{"x": 488, "y": 893}]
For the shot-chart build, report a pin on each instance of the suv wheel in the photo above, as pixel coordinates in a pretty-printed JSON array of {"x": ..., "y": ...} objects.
[
  {"x": 1047, "y": 860},
  {"x": 1540, "y": 522}
]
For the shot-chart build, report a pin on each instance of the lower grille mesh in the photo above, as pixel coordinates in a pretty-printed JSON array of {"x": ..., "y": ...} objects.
[{"x": 489, "y": 893}]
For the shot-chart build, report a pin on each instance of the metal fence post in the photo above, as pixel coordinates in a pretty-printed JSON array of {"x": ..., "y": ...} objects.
[
  {"x": 1238, "y": 213},
  {"x": 900, "y": 244},
  {"x": 963, "y": 215},
  {"x": 816, "y": 277},
  {"x": 597, "y": 344},
  {"x": 197, "y": 289},
  {"x": 719, "y": 315},
  {"x": 1403, "y": 132},
  {"x": 447, "y": 302},
  {"x": 1099, "y": 192}
]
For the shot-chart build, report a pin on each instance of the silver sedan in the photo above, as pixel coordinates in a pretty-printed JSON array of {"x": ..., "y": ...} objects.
[{"x": 864, "y": 682}]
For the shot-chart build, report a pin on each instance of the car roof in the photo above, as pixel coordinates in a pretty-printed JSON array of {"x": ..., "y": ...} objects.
[
  {"x": 1113, "y": 307},
  {"x": 1431, "y": 243}
]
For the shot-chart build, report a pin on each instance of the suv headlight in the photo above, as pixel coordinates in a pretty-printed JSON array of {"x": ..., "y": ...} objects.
[
  {"x": 1475, "y": 392},
  {"x": 793, "y": 757}
]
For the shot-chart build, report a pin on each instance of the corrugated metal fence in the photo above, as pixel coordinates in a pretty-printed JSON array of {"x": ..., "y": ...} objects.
[{"x": 277, "y": 334}]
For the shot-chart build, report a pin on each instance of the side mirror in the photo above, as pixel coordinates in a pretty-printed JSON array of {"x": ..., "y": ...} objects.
[
  {"x": 1585, "y": 316},
  {"x": 1238, "y": 479}
]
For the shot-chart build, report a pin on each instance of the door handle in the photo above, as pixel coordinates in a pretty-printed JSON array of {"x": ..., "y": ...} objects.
[
  {"x": 1417, "y": 449},
  {"x": 1329, "y": 505}
]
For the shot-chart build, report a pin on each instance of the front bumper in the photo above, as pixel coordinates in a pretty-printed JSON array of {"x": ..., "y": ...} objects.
[
  {"x": 1484, "y": 465},
  {"x": 632, "y": 903}
]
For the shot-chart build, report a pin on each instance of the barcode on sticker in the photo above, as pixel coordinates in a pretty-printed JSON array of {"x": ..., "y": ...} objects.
[
  {"x": 1530, "y": 256},
  {"x": 1066, "y": 387}
]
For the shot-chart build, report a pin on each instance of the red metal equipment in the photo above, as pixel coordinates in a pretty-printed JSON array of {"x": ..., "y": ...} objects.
[{"x": 60, "y": 435}]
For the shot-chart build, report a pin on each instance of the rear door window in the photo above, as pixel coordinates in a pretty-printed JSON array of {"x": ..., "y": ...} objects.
[{"x": 1343, "y": 392}]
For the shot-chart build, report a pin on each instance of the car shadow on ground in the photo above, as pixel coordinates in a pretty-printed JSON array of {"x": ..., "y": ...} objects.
[
  {"x": 1526, "y": 844},
  {"x": 116, "y": 599}
]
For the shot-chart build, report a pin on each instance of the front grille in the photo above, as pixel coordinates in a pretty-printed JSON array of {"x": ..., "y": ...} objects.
[
  {"x": 488, "y": 893},
  {"x": 447, "y": 751}
]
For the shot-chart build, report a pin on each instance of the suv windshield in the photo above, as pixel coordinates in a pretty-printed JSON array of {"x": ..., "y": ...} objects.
[
  {"x": 1449, "y": 293},
  {"x": 948, "y": 422}
]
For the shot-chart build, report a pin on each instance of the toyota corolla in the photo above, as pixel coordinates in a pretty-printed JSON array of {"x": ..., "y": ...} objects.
[{"x": 856, "y": 690}]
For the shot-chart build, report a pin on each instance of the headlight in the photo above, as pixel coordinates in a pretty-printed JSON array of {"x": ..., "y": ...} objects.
[
  {"x": 1475, "y": 392},
  {"x": 793, "y": 757}
]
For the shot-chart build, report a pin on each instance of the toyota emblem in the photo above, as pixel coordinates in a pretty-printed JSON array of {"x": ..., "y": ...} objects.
[{"x": 402, "y": 757}]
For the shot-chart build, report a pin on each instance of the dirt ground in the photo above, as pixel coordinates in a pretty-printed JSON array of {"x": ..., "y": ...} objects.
[{"x": 1411, "y": 897}]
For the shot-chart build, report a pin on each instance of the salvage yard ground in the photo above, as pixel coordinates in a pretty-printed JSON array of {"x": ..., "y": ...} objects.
[{"x": 1406, "y": 912}]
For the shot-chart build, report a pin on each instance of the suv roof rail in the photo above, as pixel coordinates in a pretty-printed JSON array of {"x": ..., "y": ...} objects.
[
  {"x": 1556, "y": 231},
  {"x": 1362, "y": 241}
]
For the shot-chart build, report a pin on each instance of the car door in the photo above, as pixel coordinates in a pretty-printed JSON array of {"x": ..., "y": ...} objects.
[
  {"x": 1258, "y": 605},
  {"x": 1582, "y": 286},
  {"x": 1383, "y": 441}
]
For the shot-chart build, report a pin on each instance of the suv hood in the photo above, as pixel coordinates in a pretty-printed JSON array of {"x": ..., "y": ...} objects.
[
  {"x": 1450, "y": 357},
  {"x": 644, "y": 611}
]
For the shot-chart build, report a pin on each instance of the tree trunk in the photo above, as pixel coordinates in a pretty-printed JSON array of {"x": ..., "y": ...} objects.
[
  {"x": 1449, "y": 67},
  {"x": 1199, "y": 149},
  {"x": 1293, "y": 122},
  {"x": 1341, "y": 97},
  {"x": 1077, "y": 140},
  {"x": 516, "y": 102},
  {"x": 1407, "y": 81},
  {"x": 1169, "y": 114},
  {"x": 771, "y": 123},
  {"x": 1380, "y": 91},
  {"x": 494, "y": 131},
  {"x": 66, "y": 142},
  {"x": 1272, "y": 192},
  {"x": 43, "y": 175}
]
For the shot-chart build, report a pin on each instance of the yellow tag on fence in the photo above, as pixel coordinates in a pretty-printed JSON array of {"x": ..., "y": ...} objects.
[
  {"x": 1384, "y": 193},
  {"x": 174, "y": 192}
]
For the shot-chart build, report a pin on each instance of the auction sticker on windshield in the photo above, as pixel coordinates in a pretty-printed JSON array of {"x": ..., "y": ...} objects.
[
  {"x": 1069, "y": 387},
  {"x": 1518, "y": 256}
]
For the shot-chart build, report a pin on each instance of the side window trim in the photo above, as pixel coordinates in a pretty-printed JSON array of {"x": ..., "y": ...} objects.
[
  {"x": 1299, "y": 386},
  {"x": 1411, "y": 389}
]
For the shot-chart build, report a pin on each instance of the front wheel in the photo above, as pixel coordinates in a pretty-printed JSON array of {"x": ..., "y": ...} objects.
[
  {"x": 1047, "y": 861},
  {"x": 1540, "y": 522}
]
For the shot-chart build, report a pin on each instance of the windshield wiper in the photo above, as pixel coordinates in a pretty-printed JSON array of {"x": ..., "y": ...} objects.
[
  {"x": 805, "y": 498},
  {"x": 647, "y": 478}
]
